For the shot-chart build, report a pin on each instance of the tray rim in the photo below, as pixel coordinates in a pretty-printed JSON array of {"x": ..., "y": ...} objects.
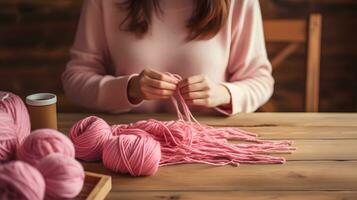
[{"x": 102, "y": 188}]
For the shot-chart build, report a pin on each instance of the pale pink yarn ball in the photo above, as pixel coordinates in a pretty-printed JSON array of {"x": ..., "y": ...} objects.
[
  {"x": 42, "y": 142},
  {"x": 21, "y": 181},
  {"x": 8, "y": 139},
  {"x": 64, "y": 176},
  {"x": 15, "y": 107},
  {"x": 88, "y": 136},
  {"x": 134, "y": 151}
]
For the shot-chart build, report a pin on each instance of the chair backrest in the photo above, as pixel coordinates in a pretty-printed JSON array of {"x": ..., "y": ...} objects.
[{"x": 296, "y": 33}]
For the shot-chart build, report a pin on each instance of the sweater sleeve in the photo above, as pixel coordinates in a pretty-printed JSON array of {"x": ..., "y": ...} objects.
[
  {"x": 85, "y": 80},
  {"x": 249, "y": 78}
]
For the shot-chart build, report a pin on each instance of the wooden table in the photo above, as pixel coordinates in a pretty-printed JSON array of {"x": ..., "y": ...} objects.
[{"x": 323, "y": 167}]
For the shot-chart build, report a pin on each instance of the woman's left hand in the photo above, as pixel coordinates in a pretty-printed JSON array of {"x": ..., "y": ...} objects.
[{"x": 201, "y": 91}]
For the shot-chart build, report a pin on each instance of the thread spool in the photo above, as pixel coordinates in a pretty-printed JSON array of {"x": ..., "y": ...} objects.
[{"x": 43, "y": 111}]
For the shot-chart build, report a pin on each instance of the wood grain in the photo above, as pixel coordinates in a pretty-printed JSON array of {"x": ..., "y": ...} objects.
[
  {"x": 95, "y": 187},
  {"x": 233, "y": 195},
  {"x": 313, "y": 64},
  {"x": 294, "y": 175},
  {"x": 102, "y": 187},
  {"x": 334, "y": 150},
  {"x": 240, "y": 120},
  {"x": 285, "y": 30}
]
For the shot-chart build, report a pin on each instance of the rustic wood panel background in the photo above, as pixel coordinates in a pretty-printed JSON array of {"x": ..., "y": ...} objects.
[{"x": 35, "y": 36}]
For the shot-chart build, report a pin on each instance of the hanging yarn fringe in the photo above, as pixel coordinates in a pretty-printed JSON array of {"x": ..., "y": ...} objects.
[{"x": 181, "y": 141}]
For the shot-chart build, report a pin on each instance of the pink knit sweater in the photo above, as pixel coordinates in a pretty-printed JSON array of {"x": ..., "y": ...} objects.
[{"x": 104, "y": 58}]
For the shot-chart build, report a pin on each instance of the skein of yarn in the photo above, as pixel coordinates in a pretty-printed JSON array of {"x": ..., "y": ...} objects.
[
  {"x": 42, "y": 142},
  {"x": 133, "y": 151},
  {"x": 15, "y": 107},
  {"x": 8, "y": 139},
  {"x": 88, "y": 137},
  {"x": 19, "y": 180},
  {"x": 64, "y": 176}
]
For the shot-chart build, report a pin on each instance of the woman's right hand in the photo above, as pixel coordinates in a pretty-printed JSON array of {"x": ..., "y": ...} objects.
[{"x": 150, "y": 85}]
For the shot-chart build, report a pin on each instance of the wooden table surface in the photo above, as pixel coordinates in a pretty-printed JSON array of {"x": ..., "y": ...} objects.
[{"x": 324, "y": 165}]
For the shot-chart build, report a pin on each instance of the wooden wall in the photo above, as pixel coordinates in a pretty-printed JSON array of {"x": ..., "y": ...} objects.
[
  {"x": 35, "y": 36},
  {"x": 338, "y": 84}
]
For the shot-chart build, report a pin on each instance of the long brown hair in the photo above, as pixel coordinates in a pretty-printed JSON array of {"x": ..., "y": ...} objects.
[{"x": 207, "y": 18}]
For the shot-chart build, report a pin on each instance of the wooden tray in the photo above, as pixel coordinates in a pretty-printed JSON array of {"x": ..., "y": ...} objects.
[{"x": 96, "y": 186}]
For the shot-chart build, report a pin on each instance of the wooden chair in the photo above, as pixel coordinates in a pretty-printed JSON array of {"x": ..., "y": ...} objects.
[{"x": 296, "y": 33}]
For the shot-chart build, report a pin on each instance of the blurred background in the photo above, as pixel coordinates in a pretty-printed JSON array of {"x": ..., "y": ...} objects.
[{"x": 35, "y": 37}]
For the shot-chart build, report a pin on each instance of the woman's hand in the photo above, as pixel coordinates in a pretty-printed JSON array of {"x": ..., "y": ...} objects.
[
  {"x": 201, "y": 91},
  {"x": 150, "y": 85}
]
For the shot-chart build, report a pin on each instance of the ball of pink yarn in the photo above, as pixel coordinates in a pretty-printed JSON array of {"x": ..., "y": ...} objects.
[
  {"x": 64, "y": 176},
  {"x": 15, "y": 107},
  {"x": 134, "y": 151},
  {"x": 88, "y": 136},
  {"x": 42, "y": 142},
  {"x": 19, "y": 180},
  {"x": 8, "y": 139}
]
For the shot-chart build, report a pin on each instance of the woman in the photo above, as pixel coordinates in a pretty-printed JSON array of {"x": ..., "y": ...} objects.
[{"x": 124, "y": 49}]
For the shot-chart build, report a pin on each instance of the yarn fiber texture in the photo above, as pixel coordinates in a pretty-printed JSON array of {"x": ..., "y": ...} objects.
[
  {"x": 133, "y": 148},
  {"x": 21, "y": 181},
  {"x": 64, "y": 176},
  {"x": 96, "y": 129},
  {"x": 133, "y": 152},
  {"x": 8, "y": 139},
  {"x": 43, "y": 142},
  {"x": 15, "y": 107}
]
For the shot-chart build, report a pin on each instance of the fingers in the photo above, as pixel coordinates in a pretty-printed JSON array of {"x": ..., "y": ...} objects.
[
  {"x": 196, "y": 95},
  {"x": 160, "y": 76},
  {"x": 199, "y": 102},
  {"x": 150, "y": 96},
  {"x": 155, "y": 91},
  {"x": 157, "y": 83},
  {"x": 194, "y": 87},
  {"x": 200, "y": 98},
  {"x": 195, "y": 90},
  {"x": 191, "y": 80}
]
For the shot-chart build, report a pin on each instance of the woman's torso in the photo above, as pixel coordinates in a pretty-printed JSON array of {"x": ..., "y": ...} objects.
[{"x": 164, "y": 47}]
